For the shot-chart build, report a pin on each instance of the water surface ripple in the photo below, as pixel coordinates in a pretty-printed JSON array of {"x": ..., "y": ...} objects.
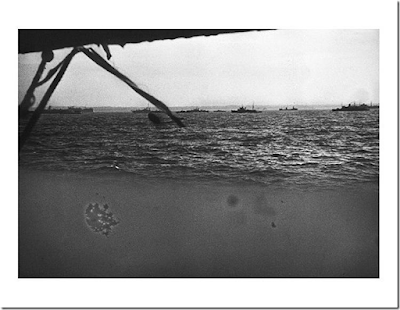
[{"x": 303, "y": 148}]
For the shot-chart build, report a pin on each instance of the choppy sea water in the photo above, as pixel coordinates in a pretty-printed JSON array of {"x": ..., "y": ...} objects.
[{"x": 300, "y": 148}]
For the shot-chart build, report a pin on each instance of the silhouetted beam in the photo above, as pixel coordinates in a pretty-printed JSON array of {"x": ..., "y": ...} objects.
[{"x": 38, "y": 40}]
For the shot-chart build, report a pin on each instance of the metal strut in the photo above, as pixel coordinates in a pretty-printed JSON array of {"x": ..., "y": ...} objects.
[
  {"x": 38, "y": 111},
  {"x": 61, "y": 68}
]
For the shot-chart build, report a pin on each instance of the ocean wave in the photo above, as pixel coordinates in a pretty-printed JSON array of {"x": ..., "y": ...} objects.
[{"x": 269, "y": 148}]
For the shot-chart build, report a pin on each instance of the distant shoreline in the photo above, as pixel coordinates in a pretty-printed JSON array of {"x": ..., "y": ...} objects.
[{"x": 226, "y": 108}]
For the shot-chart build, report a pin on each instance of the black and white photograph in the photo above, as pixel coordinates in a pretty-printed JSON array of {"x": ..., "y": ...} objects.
[
  {"x": 216, "y": 153},
  {"x": 202, "y": 153}
]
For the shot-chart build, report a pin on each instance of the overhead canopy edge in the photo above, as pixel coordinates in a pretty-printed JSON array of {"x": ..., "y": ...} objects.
[{"x": 39, "y": 40}]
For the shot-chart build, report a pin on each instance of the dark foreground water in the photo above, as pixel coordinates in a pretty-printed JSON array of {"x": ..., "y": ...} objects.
[
  {"x": 276, "y": 194},
  {"x": 317, "y": 148}
]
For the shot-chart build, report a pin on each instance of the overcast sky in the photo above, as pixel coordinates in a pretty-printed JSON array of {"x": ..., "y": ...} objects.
[{"x": 282, "y": 67}]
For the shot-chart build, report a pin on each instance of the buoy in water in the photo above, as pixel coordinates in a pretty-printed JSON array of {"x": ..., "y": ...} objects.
[{"x": 154, "y": 118}]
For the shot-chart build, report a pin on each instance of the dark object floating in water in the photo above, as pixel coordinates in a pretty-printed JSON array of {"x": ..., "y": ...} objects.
[
  {"x": 354, "y": 107},
  {"x": 286, "y": 109},
  {"x": 273, "y": 225},
  {"x": 232, "y": 200},
  {"x": 154, "y": 118},
  {"x": 242, "y": 109},
  {"x": 196, "y": 110},
  {"x": 145, "y": 110},
  {"x": 100, "y": 219},
  {"x": 69, "y": 110}
]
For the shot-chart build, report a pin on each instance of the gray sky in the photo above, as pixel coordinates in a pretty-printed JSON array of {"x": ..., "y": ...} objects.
[{"x": 282, "y": 67}]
